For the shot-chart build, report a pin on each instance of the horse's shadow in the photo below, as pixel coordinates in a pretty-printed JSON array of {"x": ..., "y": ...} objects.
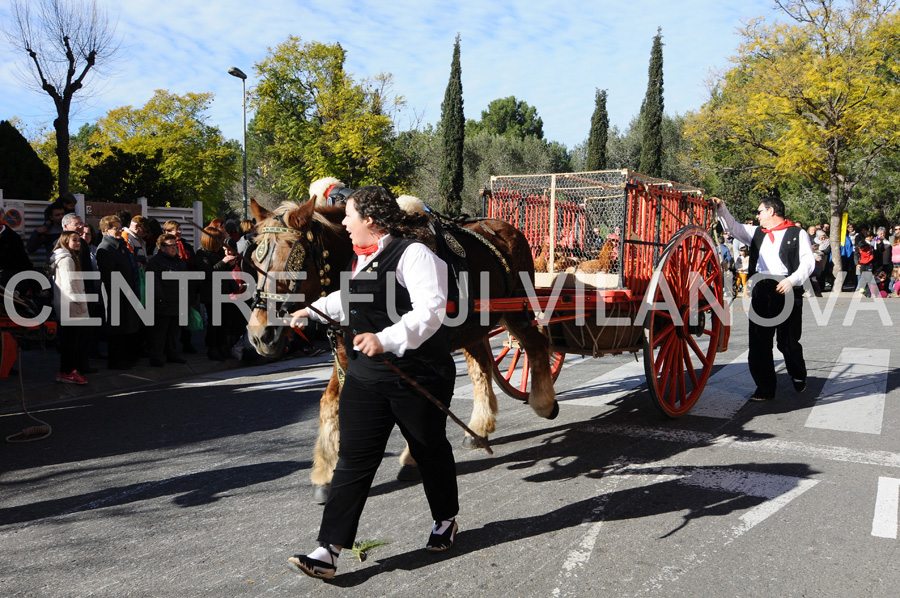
[{"x": 667, "y": 496}]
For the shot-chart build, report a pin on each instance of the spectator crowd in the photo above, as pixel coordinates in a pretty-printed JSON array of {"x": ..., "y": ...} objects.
[
  {"x": 114, "y": 267},
  {"x": 870, "y": 259}
]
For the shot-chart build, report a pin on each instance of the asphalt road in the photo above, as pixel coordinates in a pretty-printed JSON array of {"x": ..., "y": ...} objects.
[{"x": 201, "y": 488}]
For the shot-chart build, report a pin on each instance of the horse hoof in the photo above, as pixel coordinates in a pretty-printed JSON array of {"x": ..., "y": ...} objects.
[
  {"x": 555, "y": 411},
  {"x": 409, "y": 473},
  {"x": 320, "y": 494},
  {"x": 470, "y": 443}
]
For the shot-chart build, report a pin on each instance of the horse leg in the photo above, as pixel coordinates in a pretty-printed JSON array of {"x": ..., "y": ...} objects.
[
  {"x": 325, "y": 454},
  {"x": 484, "y": 408},
  {"x": 409, "y": 469},
  {"x": 542, "y": 398}
]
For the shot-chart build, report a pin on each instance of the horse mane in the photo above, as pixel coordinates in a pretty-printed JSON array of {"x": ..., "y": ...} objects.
[{"x": 329, "y": 217}]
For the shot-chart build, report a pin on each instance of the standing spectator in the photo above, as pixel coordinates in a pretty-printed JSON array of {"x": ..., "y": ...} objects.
[
  {"x": 166, "y": 306},
  {"x": 233, "y": 321},
  {"x": 92, "y": 287},
  {"x": 116, "y": 263},
  {"x": 208, "y": 262},
  {"x": 895, "y": 249},
  {"x": 187, "y": 255},
  {"x": 742, "y": 265},
  {"x": 231, "y": 229},
  {"x": 46, "y": 234},
  {"x": 865, "y": 267},
  {"x": 13, "y": 257},
  {"x": 814, "y": 278},
  {"x": 134, "y": 239},
  {"x": 248, "y": 233},
  {"x": 70, "y": 306}
]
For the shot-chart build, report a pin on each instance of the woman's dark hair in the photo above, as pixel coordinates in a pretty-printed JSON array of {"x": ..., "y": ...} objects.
[{"x": 381, "y": 206}]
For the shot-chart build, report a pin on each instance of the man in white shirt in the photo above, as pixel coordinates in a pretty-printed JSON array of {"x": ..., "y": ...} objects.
[{"x": 783, "y": 253}]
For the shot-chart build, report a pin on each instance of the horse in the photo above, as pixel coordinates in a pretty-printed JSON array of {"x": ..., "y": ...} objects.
[{"x": 310, "y": 239}]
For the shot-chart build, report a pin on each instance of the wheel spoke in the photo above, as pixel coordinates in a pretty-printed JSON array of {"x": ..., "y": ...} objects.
[
  {"x": 512, "y": 366},
  {"x": 525, "y": 370},
  {"x": 698, "y": 351},
  {"x": 501, "y": 355}
]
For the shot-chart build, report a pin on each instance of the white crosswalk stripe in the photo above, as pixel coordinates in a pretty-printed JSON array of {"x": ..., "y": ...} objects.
[
  {"x": 605, "y": 389},
  {"x": 852, "y": 399},
  {"x": 728, "y": 389},
  {"x": 887, "y": 507}
]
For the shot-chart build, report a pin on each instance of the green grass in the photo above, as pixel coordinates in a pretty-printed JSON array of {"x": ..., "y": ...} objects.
[{"x": 361, "y": 548}]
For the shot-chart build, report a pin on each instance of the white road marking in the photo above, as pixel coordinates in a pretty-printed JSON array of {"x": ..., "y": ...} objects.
[
  {"x": 853, "y": 397},
  {"x": 769, "y": 445},
  {"x": 777, "y": 490},
  {"x": 728, "y": 389},
  {"x": 605, "y": 389},
  {"x": 887, "y": 507}
]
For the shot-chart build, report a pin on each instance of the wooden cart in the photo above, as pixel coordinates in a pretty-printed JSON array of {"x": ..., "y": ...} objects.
[{"x": 624, "y": 263}]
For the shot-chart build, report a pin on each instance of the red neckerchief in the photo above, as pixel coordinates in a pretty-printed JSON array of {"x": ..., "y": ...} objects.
[
  {"x": 362, "y": 252},
  {"x": 782, "y": 226},
  {"x": 183, "y": 254}
]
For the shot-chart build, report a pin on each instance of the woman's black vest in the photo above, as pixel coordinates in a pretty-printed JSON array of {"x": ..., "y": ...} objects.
[{"x": 378, "y": 280}]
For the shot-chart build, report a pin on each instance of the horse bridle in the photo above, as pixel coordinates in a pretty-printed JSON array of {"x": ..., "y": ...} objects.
[{"x": 295, "y": 262}]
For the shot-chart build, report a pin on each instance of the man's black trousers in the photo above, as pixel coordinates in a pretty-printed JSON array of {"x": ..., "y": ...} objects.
[{"x": 768, "y": 303}]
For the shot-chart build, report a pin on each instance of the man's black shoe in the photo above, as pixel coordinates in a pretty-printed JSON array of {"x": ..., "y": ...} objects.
[
  {"x": 759, "y": 396},
  {"x": 799, "y": 385}
]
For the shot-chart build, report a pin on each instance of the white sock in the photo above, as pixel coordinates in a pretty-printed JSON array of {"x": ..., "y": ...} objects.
[
  {"x": 323, "y": 554},
  {"x": 441, "y": 526}
]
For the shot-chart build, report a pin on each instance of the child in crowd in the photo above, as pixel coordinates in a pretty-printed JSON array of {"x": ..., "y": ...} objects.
[
  {"x": 894, "y": 285},
  {"x": 866, "y": 284},
  {"x": 742, "y": 267}
]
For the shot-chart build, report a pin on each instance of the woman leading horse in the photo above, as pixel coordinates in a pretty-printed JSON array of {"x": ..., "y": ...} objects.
[{"x": 301, "y": 253}]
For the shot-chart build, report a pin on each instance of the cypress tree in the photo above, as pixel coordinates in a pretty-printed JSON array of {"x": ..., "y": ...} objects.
[
  {"x": 453, "y": 124},
  {"x": 23, "y": 175},
  {"x": 596, "y": 148},
  {"x": 652, "y": 113}
]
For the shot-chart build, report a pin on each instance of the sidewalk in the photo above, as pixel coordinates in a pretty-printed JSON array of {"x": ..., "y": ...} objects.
[{"x": 38, "y": 368}]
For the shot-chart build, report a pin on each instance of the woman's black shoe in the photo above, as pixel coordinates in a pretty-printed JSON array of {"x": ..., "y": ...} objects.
[
  {"x": 443, "y": 541},
  {"x": 314, "y": 567}
]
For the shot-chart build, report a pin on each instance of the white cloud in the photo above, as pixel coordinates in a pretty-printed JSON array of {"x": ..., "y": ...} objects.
[{"x": 552, "y": 55}]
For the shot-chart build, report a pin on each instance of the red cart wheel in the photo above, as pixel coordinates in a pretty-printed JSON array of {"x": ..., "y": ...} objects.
[
  {"x": 510, "y": 367},
  {"x": 680, "y": 344}
]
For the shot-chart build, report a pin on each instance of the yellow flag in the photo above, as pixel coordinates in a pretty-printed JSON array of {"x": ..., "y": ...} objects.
[{"x": 844, "y": 227}]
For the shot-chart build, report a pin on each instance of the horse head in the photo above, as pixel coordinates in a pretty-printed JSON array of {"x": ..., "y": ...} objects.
[{"x": 300, "y": 252}]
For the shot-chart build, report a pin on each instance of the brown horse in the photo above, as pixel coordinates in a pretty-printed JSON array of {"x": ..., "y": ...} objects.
[{"x": 495, "y": 253}]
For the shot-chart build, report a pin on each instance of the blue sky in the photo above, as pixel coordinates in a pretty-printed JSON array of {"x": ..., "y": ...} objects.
[{"x": 553, "y": 55}]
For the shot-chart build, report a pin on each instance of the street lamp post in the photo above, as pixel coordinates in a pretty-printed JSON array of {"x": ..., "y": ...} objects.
[{"x": 236, "y": 72}]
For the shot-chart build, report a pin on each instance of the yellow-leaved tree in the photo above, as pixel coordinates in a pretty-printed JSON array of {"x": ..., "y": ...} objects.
[{"x": 814, "y": 96}]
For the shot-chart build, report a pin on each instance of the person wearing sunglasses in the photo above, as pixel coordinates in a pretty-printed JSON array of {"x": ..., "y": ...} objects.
[{"x": 782, "y": 253}]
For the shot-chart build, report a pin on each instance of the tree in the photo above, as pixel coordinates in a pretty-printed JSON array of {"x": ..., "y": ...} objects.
[
  {"x": 197, "y": 161},
  {"x": 313, "y": 120},
  {"x": 652, "y": 114},
  {"x": 24, "y": 175},
  {"x": 122, "y": 177},
  {"x": 599, "y": 135},
  {"x": 815, "y": 97},
  {"x": 453, "y": 130},
  {"x": 64, "y": 41},
  {"x": 510, "y": 117}
]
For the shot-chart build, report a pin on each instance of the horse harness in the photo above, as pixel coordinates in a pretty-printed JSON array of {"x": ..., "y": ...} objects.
[{"x": 295, "y": 263}]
